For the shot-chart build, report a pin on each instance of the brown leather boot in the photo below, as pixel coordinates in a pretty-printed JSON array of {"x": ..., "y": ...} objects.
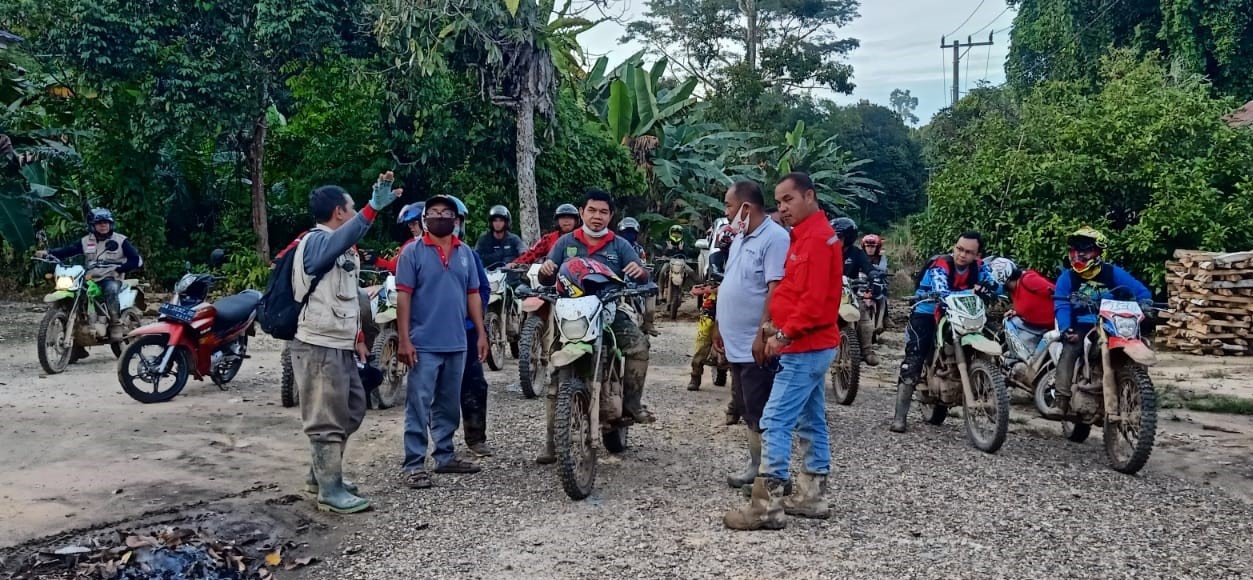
[
  {"x": 764, "y": 510},
  {"x": 810, "y": 501}
]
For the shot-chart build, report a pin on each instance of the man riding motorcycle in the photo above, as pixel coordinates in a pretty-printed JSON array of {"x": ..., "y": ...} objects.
[
  {"x": 629, "y": 230},
  {"x": 708, "y": 296},
  {"x": 567, "y": 218},
  {"x": 961, "y": 270},
  {"x": 411, "y": 216},
  {"x": 499, "y": 246},
  {"x": 595, "y": 240},
  {"x": 856, "y": 265},
  {"x": 103, "y": 244},
  {"x": 1030, "y": 292},
  {"x": 1090, "y": 276}
]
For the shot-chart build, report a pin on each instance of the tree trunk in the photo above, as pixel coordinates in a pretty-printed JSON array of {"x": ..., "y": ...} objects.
[
  {"x": 256, "y": 163},
  {"x": 528, "y": 203},
  {"x": 750, "y": 45}
]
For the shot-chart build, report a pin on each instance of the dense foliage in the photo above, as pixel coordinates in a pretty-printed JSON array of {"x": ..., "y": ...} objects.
[{"x": 1146, "y": 158}]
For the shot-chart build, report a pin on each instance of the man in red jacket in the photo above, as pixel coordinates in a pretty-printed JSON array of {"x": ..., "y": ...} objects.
[
  {"x": 803, "y": 334},
  {"x": 567, "y": 218}
]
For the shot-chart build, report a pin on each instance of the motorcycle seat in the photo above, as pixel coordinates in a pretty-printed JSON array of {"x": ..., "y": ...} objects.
[{"x": 233, "y": 310}]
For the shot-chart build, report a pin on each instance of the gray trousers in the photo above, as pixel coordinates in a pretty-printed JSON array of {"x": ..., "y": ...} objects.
[
  {"x": 332, "y": 398},
  {"x": 434, "y": 404}
]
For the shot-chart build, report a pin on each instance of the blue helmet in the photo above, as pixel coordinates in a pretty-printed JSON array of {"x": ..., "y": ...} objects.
[
  {"x": 411, "y": 212},
  {"x": 462, "y": 211}
]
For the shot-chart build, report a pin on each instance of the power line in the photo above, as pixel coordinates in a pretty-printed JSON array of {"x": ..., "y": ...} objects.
[
  {"x": 972, "y": 15},
  {"x": 993, "y": 21}
]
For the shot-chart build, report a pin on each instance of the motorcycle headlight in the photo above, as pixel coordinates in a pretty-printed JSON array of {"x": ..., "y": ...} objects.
[
  {"x": 495, "y": 284},
  {"x": 968, "y": 324},
  {"x": 1126, "y": 327},
  {"x": 65, "y": 283},
  {"x": 183, "y": 284},
  {"x": 574, "y": 329}
]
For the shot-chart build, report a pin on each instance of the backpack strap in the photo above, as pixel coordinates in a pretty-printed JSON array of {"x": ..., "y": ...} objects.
[{"x": 298, "y": 256}]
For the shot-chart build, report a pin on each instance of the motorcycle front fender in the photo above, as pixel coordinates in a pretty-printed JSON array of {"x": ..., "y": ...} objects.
[
  {"x": 532, "y": 304},
  {"x": 58, "y": 296},
  {"x": 569, "y": 353},
  {"x": 982, "y": 344},
  {"x": 1135, "y": 349},
  {"x": 849, "y": 313},
  {"x": 494, "y": 299}
]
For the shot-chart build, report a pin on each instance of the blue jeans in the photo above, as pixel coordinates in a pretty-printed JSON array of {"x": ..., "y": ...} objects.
[
  {"x": 434, "y": 392},
  {"x": 797, "y": 403}
]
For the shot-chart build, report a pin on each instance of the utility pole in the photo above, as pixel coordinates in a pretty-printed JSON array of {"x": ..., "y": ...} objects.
[{"x": 957, "y": 57}]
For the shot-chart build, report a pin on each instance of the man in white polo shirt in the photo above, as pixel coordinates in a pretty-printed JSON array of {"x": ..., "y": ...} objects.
[{"x": 754, "y": 268}]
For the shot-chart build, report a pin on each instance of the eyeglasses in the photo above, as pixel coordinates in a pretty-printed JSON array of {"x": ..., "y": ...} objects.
[{"x": 441, "y": 214}]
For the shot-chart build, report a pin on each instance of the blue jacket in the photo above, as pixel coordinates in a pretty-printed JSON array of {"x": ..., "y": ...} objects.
[
  {"x": 1111, "y": 282},
  {"x": 485, "y": 289},
  {"x": 936, "y": 280}
]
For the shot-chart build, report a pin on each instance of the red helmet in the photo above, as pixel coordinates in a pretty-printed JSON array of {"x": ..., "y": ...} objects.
[
  {"x": 582, "y": 276},
  {"x": 871, "y": 240}
]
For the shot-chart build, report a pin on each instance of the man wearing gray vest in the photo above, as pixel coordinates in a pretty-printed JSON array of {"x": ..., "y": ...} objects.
[
  {"x": 332, "y": 398},
  {"x": 113, "y": 256}
]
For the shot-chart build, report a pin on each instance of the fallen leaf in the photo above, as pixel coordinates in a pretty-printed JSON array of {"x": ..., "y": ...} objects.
[
  {"x": 136, "y": 542},
  {"x": 273, "y": 558},
  {"x": 72, "y": 550},
  {"x": 300, "y": 562},
  {"x": 127, "y": 557}
]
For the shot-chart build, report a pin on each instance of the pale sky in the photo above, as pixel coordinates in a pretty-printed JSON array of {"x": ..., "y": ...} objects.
[{"x": 900, "y": 47}]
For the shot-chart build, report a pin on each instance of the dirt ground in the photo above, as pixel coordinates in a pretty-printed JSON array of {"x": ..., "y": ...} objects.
[{"x": 80, "y": 457}]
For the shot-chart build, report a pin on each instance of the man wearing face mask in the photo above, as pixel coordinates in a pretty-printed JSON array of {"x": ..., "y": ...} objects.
[
  {"x": 441, "y": 272},
  {"x": 596, "y": 241},
  {"x": 753, "y": 272}
]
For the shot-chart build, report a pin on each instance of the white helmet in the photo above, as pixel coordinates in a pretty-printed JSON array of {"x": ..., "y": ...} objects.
[{"x": 1002, "y": 269}]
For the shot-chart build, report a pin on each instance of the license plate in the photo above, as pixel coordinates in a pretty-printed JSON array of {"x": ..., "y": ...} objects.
[{"x": 180, "y": 313}]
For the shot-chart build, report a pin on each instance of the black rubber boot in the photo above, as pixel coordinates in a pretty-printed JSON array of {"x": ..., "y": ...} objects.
[
  {"x": 904, "y": 398},
  {"x": 754, "y": 463}
]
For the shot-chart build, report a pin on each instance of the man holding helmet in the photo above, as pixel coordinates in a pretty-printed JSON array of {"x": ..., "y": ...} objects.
[{"x": 499, "y": 246}]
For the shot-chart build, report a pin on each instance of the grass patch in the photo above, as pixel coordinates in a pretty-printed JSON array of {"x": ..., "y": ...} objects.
[{"x": 1172, "y": 397}]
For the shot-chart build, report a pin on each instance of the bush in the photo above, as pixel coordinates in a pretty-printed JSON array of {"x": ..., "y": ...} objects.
[{"x": 1147, "y": 159}]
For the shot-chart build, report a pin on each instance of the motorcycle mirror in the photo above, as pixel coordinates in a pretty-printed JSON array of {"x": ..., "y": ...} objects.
[
  {"x": 186, "y": 266},
  {"x": 111, "y": 246},
  {"x": 217, "y": 257}
]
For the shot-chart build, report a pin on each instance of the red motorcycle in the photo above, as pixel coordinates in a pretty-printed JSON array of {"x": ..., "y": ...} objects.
[{"x": 191, "y": 337}]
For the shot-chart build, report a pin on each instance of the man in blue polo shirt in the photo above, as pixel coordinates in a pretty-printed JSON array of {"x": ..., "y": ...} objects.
[{"x": 441, "y": 271}]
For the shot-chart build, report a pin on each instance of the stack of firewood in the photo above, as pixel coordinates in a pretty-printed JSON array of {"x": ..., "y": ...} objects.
[{"x": 1211, "y": 301}]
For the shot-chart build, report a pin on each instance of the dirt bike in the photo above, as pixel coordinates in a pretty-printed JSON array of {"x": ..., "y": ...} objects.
[
  {"x": 504, "y": 316},
  {"x": 715, "y": 359},
  {"x": 1111, "y": 386},
  {"x": 190, "y": 338},
  {"x": 535, "y": 337},
  {"x": 965, "y": 371},
  {"x": 678, "y": 272},
  {"x": 846, "y": 370},
  {"x": 874, "y": 296},
  {"x": 589, "y": 368},
  {"x": 1027, "y": 363},
  {"x": 77, "y": 314}
]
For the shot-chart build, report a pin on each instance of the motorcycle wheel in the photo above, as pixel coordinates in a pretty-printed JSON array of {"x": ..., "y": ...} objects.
[
  {"x": 572, "y": 436},
  {"x": 616, "y": 440},
  {"x": 495, "y": 342},
  {"x": 531, "y": 355},
  {"x": 131, "y": 319},
  {"x": 180, "y": 367},
  {"x": 228, "y": 374},
  {"x": 54, "y": 356},
  {"x": 987, "y": 418},
  {"x": 846, "y": 372},
  {"x": 1046, "y": 397},
  {"x": 676, "y": 299},
  {"x": 1129, "y": 442},
  {"x": 287, "y": 388},
  {"x": 393, "y": 390}
]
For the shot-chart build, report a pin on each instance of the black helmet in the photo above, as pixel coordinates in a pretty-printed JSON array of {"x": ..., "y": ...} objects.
[
  {"x": 566, "y": 209},
  {"x": 499, "y": 211},
  {"x": 846, "y": 229}
]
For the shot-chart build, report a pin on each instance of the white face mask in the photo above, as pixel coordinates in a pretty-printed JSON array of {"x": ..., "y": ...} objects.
[
  {"x": 740, "y": 223},
  {"x": 593, "y": 233}
]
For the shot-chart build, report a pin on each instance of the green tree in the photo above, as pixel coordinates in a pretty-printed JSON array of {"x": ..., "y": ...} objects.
[
  {"x": 1147, "y": 159},
  {"x": 904, "y": 105},
  {"x": 894, "y": 151}
]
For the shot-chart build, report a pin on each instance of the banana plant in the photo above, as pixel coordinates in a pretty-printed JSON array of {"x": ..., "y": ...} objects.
[{"x": 835, "y": 173}]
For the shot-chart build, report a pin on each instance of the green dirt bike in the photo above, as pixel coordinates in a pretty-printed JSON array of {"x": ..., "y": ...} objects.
[
  {"x": 504, "y": 315},
  {"x": 77, "y": 314},
  {"x": 965, "y": 370}
]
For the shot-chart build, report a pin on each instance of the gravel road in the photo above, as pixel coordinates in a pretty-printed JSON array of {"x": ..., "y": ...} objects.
[{"x": 920, "y": 505}]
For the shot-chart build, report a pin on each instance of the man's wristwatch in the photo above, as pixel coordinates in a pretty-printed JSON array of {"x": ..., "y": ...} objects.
[{"x": 779, "y": 336}]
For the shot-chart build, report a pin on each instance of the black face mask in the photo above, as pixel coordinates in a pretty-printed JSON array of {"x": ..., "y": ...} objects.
[
  {"x": 628, "y": 235},
  {"x": 439, "y": 227}
]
